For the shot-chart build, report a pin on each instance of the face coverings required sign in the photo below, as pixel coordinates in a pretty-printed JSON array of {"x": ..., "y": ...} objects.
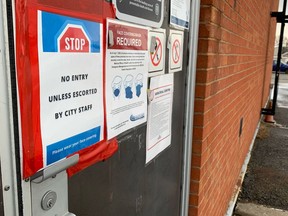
[{"x": 126, "y": 76}]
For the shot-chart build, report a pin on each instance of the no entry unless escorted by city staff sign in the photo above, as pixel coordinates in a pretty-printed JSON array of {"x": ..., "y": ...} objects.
[{"x": 71, "y": 84}]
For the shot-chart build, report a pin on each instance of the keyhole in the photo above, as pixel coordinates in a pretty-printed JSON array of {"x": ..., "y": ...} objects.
[
  {"x": 50, "y": 203},
  {"x": 48, "y": 200}
]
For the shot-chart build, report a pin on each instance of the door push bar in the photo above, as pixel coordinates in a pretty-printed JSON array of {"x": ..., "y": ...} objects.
[
  {"x": 54, "y": 169},
  {"x": 49, "y": 189}
]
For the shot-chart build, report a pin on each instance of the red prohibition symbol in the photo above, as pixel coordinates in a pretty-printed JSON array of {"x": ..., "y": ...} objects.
[
  {"x": 156, "y": 56},
  {"x": 176, "y": 51}
]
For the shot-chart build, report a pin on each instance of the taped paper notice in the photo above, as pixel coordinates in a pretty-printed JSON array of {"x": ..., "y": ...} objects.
[
  {"x": 159, "y": 115},
  {"x": 126, "y": 76}
]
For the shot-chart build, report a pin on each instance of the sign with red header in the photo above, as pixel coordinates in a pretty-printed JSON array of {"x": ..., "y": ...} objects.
[
  {"x": 124, "y": 38},
  {"x": 126, "y": 76},
  {"x": 159, "y": 122}
]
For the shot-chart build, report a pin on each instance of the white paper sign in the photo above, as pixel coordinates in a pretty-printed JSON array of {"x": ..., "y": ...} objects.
[
  {"x": 126, "y": 76},
  {"x": 180, "y": 13},
  {"x": 159, "y": 115},
  {"x": 71, "y": 84},
  {"x": 175, "y": 50},
  {"x": 157, "y": 46}
]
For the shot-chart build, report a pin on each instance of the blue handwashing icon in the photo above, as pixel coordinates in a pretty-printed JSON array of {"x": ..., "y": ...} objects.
[{"x": 139, "y": 84}]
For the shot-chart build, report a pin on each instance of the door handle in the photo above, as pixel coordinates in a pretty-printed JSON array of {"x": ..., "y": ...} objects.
[
  {"x": 54, "y": 169},
  {"x": 49, "y": 189}
]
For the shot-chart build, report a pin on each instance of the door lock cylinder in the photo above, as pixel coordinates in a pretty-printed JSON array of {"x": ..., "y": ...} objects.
[{"x": 48, "y": 200}]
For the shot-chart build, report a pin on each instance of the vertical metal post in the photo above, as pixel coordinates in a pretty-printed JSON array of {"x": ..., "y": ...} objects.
[
  {"x": 189, "y": 108},
  {"x": 279, "y": 59}
]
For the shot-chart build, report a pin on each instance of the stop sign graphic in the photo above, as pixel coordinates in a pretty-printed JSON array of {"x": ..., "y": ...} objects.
[{"x": 73, "y": 39}]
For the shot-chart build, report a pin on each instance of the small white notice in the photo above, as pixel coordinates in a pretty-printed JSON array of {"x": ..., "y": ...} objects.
[
  {"x": 175, "y": 50},
  {"x": 159, "y": 121},
  {"x": 157, "y": 46},
  {"x": 126, "y": 76},
  {"x": 180, "y": 13}
]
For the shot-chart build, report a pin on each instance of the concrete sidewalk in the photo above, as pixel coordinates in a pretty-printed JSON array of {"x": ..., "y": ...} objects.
[
  {"x": 250, "y": 209},
  {"x": 265, "y": 188}
]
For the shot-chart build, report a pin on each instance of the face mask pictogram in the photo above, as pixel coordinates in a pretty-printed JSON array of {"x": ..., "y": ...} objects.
[
  {"x": 128, "y": 83},
  {"x": 116, "y": 86},
  {"x": 139, "y": 84}
]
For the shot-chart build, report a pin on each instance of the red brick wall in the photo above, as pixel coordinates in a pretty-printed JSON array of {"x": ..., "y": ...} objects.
[{"x": 235, "y": 51}]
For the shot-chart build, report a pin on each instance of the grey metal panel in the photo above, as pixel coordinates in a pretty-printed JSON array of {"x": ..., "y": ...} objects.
[{"x": 123, "y": 185}]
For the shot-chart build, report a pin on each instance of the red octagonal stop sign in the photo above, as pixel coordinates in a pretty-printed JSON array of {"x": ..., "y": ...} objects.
[{"x": 73, "y": 39}]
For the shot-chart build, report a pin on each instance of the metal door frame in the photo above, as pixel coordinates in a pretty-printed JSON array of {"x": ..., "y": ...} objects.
[
  {"x": 189, "y": 106},
  {"x": 7, "y": 145}
]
